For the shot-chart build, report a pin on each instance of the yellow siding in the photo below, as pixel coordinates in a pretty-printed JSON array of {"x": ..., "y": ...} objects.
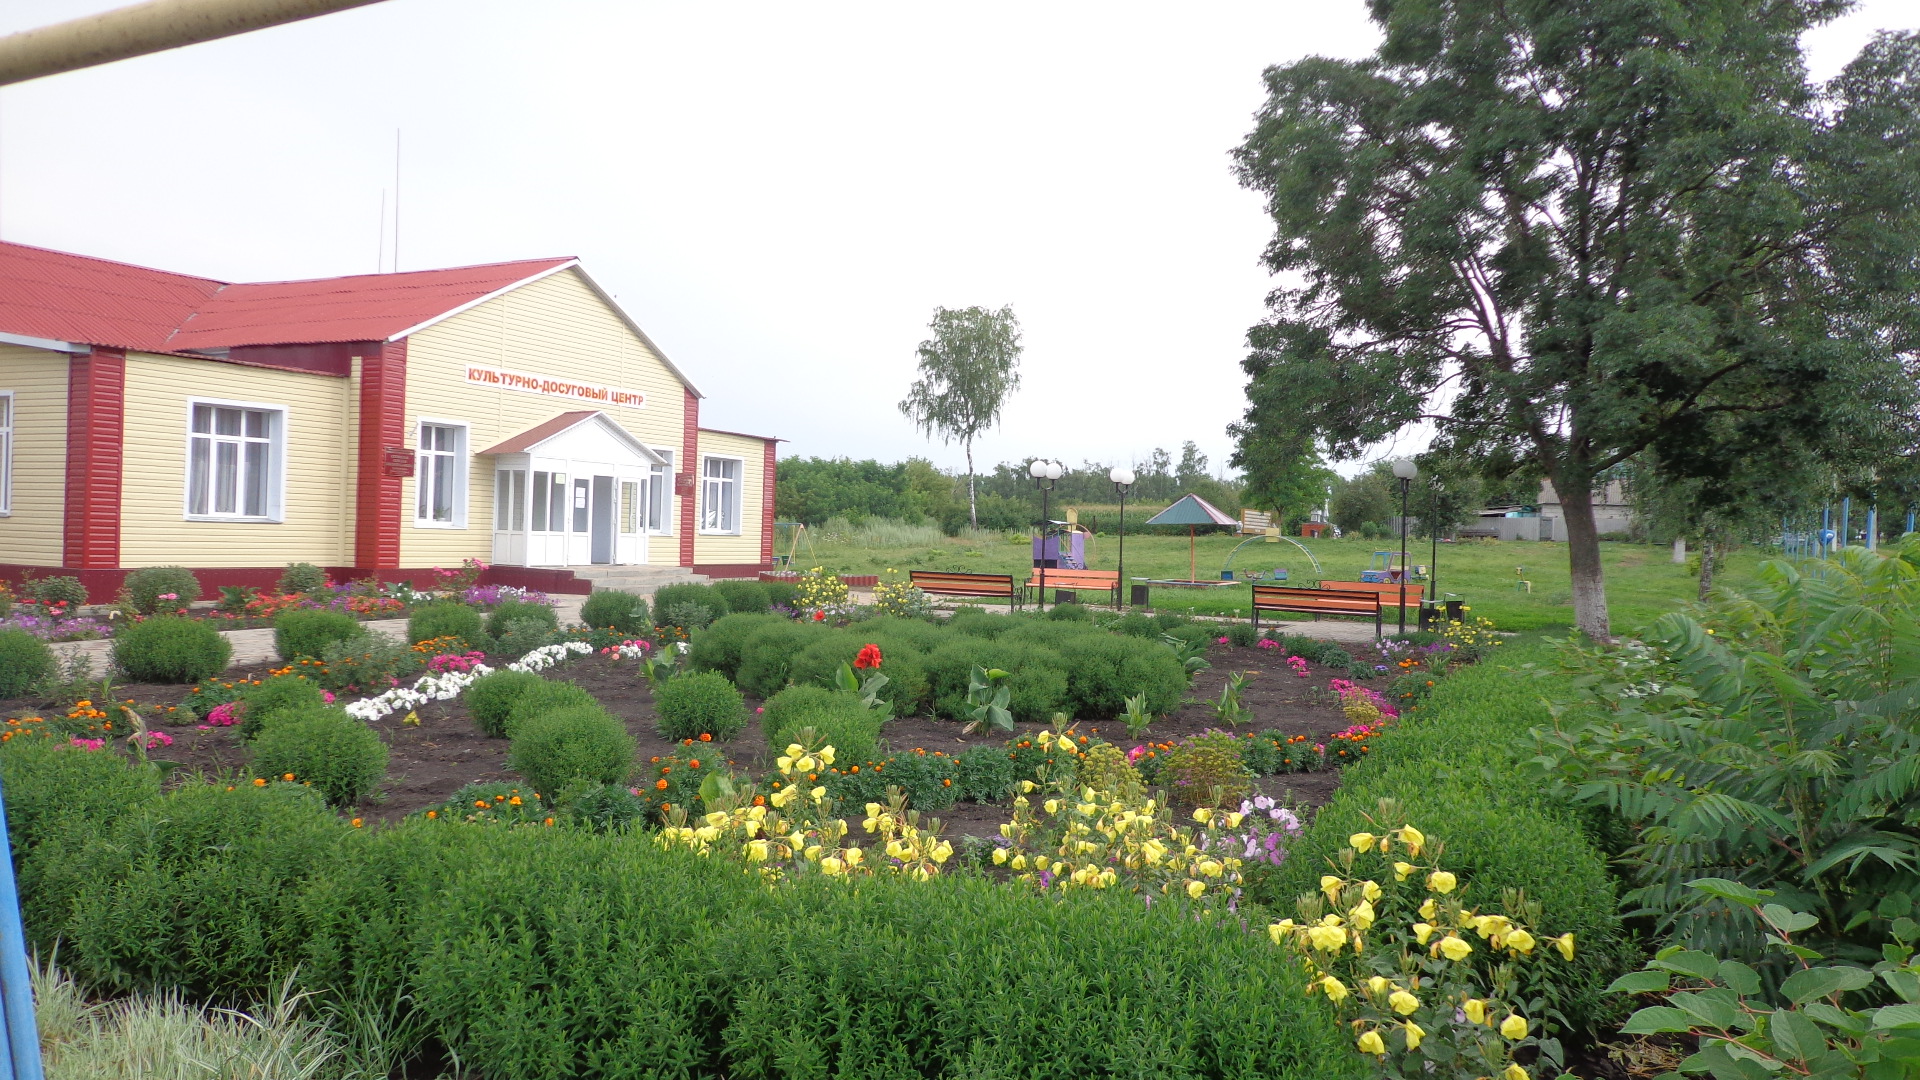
[
  {"x": 32, "y": 534},
  {"x": 556, "y": 326},
  {"x": 745, "y": 548},
  {"x": 318, "y": 500}
]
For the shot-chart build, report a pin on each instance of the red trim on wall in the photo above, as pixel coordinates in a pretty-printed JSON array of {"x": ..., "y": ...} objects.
[
  {"x": 766, "y": 506},
  {"x": 104, "y": 584},
  {"x": 96, "y": 449},
  {"x": 689, "y": 464},
  {"x": 383, "y": 423},
  {"x": 731, "y": 570}
]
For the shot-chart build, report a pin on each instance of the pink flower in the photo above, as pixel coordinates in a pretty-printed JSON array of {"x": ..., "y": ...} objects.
[
  {"x": 1267, "y": 643},
  {"x": 327, "y": 696},
  {"x": 87, "y": 744},
  {"x": 158, "y": 739},
  {"x": 220, "y": 715},
  {"x": 168, "y": 596},
  {"x": 1220, "y": 641},
  {"x": 1136, "y": 753}
]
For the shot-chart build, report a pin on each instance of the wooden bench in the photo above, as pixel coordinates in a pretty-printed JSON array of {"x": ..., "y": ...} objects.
[
  {"x": 1106, "y": 581},
  {"x": 1389, "y": 591},
  {"x": 1315, "y": 602},
  {"x": 992, "y": 586}
]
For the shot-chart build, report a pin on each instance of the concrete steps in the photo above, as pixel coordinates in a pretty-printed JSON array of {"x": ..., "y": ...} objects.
[{"x": 639, "y": 580}]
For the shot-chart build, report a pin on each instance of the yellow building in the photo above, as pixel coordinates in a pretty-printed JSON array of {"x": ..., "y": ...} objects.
[{"x": 379, "y": 424}]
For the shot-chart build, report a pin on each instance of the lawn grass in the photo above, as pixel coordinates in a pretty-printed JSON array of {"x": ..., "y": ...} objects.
[{"x": 1642, "y": 581}]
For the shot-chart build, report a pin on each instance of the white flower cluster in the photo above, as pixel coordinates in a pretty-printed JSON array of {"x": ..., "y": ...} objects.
[
  {"x": 548, "y": 655},
  {"x": 441, "y": 687},
  {"x": 448, "y": 685}
]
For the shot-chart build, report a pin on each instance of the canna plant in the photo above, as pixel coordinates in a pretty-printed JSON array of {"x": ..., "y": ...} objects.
[
  {"x": 1228, "y": 710},
  {"x": 1431, "y": 987},
  {"x": 1771, "y": 738},
  {"x": 1137, "y": 716},
  {"x": 987, "y": 697},
  {"x": 1805, "y": 1029}
]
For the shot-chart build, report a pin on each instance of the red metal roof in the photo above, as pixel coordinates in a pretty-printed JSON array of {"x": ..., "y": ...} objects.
[
  {"x": 52, "y": 294},
  {"x": 541, "y": 432}
]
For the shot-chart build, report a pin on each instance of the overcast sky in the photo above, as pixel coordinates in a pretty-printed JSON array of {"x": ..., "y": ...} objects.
[{"x": 780, "y": 193}]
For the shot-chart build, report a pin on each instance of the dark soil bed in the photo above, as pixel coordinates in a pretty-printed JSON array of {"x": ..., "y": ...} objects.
[{"x": 445, "y": 751}]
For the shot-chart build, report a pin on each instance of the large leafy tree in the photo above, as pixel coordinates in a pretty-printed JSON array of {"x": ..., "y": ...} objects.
[
  {"x": 968, "y": 369},
  {"x": 1563, "y": 232}
]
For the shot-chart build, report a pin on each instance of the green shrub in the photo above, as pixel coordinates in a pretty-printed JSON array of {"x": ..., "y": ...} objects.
[
  {"x": 1106, "y": 768},
  {"x": 509, "y": 611},
  {"x": 1069, "y": 612},
  {"x": 551, "y": 695},
  {"x": 687, "y": 617},
  {"x": 838, "y": 719},
  {"x": 170, "y": 649},
  {"x": 1103, "y": 670},
  {"x": 901, "y": 663},
  {"x": 368, "y": 663},
  {"x": 620, "y": 611},
  {"x": 491, "y": 698},
  {"x": 674, "y": 781},
  {"x": 447, "y": 618},
  {"x": 1451, "y": 766},
  {"x": 24, "y": 661},
  {"x": 339, "y": 756},
  {"x": 302, "y": 577},
  {"x": 197, "y": 892},
  {"x": 145, "y": 586},
  {"x": 702, "y": 702},
  {"x": 767, "y": 656},
  {"x": 985, "y": 773},
  {"x": 1206, "y": 770},
  {"x": 782, "y": 592},
  {"x": 276, "y": 695},
  {"x": 1036, "y": 689},
  {"x": 559, "y": 748},
  {"x": 1167, "y": 621},
  {"x": 744, "y": 595},
  {"x": 929, "y": 779},
  {"x": 521, "y": 636},
  {"x": 667, "y": 597},
  {"x": 722, "y": 645},
  {"x": 977, "y": 622},
  {"x": 1241, "y": 635},
  {"x": 504, "y": 802},
  {"x": 1135, "y": 624},
  {"x": 308, "y": 633},
  {"x": 59, "y": 797},
  {"x": 606, "y": 808},
  {"x": 51, "y": 590}
]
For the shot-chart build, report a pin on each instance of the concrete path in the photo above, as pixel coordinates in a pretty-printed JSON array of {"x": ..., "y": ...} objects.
[{"x": 253, "y": 648}]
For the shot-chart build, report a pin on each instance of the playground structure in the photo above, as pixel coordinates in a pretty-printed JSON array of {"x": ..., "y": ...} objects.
[
  {"x": 1192, "y": 511},
  {"x": 1800, "y": 540},
  {"x": 793, "y": 533},
  {"x": 1270, "y": 535}
]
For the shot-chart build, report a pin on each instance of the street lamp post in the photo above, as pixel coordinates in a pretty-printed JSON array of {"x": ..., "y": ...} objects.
[
  {"x": 1405, "y": 470},
  {"x": 1433, "y": 555},
  {"x": 1122, "y": 478},
  {"x": 1044, "y": 473}
]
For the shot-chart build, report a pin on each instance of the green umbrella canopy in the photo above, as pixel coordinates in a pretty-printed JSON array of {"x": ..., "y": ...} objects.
[{"x": 1191, "y": 510}]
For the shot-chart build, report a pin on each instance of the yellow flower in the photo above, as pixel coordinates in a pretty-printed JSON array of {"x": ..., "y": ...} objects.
[
  {"x": 1019, "y": 862},
  {"x": 999, "y": 856},
  {"x": 1514, "y": 1026},
  {"x": 1203, "y": 815},
  {"x": 1361, "y": 841},
  {"x": 1520, "y": 941},
  {"x": 1422, "y": 931},
  {"x": 818, "y": 793},
  {"x": 1378, "y": 985},
  {"x": 1371, "y": 1043},
  {"x": 1362, "y": 915},
  {"x": 1429, "y": 910},
  {"x": 1513, "y": 1072},
  {"x": 1403, "y": 1002},
  {"x": 1327, "y": 938},
  {"x": 1401, "y": 870},
  {"x": 1196, "y": 889},
  {"x": 1413, "y": 838},
  {"x": 1331, "y": 886},
  {"x": 1454, "y": 948},
  {"x": 1370, "y": 890},
  {"x": 1565, "y": 944},
  {"x": 1475, "y": 1010},
  {"x": 1441, "y": 881},
  {"x": 1279, "y": 931},
  {"x": 1336, "y": 990},
  {"x": 1414, "y": 1034},
  {"x": 757, "y": 851},
  {"x": 1051, "y": 806}
]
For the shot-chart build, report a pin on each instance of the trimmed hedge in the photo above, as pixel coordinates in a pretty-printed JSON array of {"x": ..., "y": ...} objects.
[
  {"x": 722, "y": 645},
  {"x": 1451, "y": 765},
  {"x": 447, "y": 618},
  {"x": 550, "y": 695},
  {"x": 767, "y": 656},
  {"x": 492, "y": 697},
  {"x": 60, "y": 797},
  {"x": 556, "y": 749},
  {"x": 698, "y": 703},
  {"x": 613, "y": 609},
  {"x": 308, "y": 633},
  {"x": 744, "y": 595},
  {"x": 510, "y": 611},
  {"x": 170, "y": 649},
  {"x": 24, "y": 661},
  {"x": 146, "y": 585},
  {"x": 837, "y": 718},
  {"x": 279, "y": 694},
  {"x": 339, "y": 757}
]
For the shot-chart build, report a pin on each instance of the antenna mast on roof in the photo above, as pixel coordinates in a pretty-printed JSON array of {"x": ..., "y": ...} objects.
[
  {"x": 380, "y": 260},
  {"x": 396, "y": 200}
]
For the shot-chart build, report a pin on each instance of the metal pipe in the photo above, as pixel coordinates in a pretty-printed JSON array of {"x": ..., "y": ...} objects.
[
  {"x": 16, "y": 981},
  {"x": 1404, "y": 484},
  {"x": 146, "y": 28}
]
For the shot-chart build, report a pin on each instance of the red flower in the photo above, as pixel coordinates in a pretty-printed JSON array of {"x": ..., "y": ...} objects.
[
  {"x": 869, "y": 657},
  {"x": 819, "y": 616}
]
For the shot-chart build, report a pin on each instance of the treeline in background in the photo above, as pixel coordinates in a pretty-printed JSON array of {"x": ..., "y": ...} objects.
[{"x": 916, "y": 493}]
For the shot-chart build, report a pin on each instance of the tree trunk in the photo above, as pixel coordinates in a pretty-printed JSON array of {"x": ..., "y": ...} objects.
[
  {"x": 1707, "y": 549},
  {"x": 973, "y": 506},
  {"x": 1583, "y": 558},
  {"x": 1680, "y": 551}
]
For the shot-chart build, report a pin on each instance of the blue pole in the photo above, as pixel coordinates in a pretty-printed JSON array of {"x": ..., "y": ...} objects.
[
  {"x": 1909, "y": 519},
  {"x": 1873, "y": 528},
  {"x": 16, "y": 982},
  {"x": 1846, "y": 521},
  {"x": 1826, "y": 526}
]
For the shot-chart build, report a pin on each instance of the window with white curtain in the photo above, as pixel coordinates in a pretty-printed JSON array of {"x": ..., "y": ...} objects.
[
  {"x": 440, "y": 476},
  {"x": 720, "y": 495},
  {"x": 234, "y": 460},
  {"x": 6, "y": 451},
  {"x": 660, "y": 496}
]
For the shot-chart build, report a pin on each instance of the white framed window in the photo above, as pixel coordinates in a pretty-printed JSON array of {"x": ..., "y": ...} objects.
[
  {"x": 236, "y": 460},
  {"x": 440, "y": 475},
  {"x": 720, "y": 495},
  {"x": 6, "y": 452},
  {"x": 510, "y": 500},
  {"x": 660, "y": 495}
]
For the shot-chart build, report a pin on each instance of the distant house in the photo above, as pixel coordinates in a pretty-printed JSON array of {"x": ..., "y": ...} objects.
[
  {"x": 1546, "y": 519},
  {"x": 374, "y": 425}
]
